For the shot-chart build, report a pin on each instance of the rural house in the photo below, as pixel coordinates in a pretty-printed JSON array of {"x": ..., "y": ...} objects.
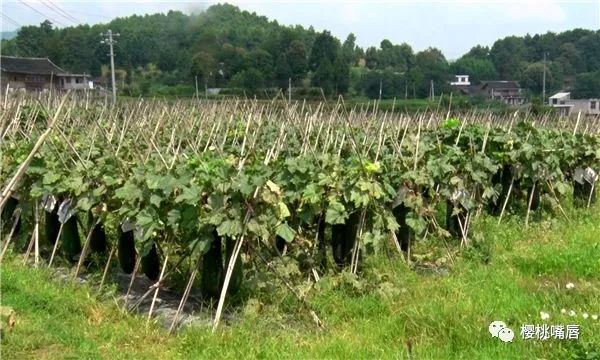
[
  {"x": 461, "y": 80},
  {"x": 566, "y": 106},
  {"x": 37, "y": 74},
  {"x": 506, "y": 91}
]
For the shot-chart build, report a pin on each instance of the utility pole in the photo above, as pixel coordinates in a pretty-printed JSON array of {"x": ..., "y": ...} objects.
[
  {"x": 206, "y": 85},
  {"x": 290, "y": 90},
  {"x": 431, "y": 90},
  {"x": 380, "y": 88},
  {"x": 544, "y": 81},
  {"x": 110, "y": 41}
]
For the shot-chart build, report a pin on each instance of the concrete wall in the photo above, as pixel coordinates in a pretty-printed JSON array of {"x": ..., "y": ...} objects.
[
  {"x": 574, "y": 107},
  {"x": 27, "y": 82},
  {"x": 584, "y": 106},
  {"x": 73, "y": 82},
  {"x": 42, "y": 82}
]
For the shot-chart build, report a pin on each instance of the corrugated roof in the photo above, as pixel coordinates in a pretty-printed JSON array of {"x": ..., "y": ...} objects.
[
  {"x": 26, "y": 65},
  {"x": 560, "y": 95}
]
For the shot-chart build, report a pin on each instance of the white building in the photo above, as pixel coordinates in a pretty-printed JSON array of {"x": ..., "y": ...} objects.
[
  {"x": 566, "y": 106},
  {"x": 74, "y": 82},
  {"x": 461, "y": 80}
]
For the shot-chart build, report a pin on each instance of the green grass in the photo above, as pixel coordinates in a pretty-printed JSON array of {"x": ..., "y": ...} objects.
[{"x": 441, "y": 316}]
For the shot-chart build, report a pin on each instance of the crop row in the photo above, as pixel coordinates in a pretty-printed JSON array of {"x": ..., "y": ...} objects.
[{"x": 207, "y": 181}]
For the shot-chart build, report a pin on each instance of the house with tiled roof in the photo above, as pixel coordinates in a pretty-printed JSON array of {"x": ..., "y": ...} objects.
[
  {"x": 37, "y": 74},
  {"x": 506, "y": 91}
]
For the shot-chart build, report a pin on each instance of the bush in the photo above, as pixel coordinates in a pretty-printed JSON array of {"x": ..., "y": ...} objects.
[
  {"x": 538, "y": 107},
  {"x": 307, "y": 93},
  {"x": 177, "y": 90}
]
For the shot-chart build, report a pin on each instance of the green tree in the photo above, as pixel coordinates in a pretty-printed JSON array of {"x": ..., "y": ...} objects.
[
  {"x": 587, "y": 85},
  {"x": 290, "y": 57},
  {"x": 478, "y": 69},
  {"x": 432, "y": 65},
  {"x": 9, "y": 47},
  {"x": 589, "y": 46},
  {"x": 570, "y": 59},
  {"x": 349, "y": 50},
  {"x": 205, "y": 67},
  {"x": 478, "y": 52},
  {"x": 249, "y": 79},
  {"x": 324, "y": 49},
  {"x": 232, "y": 60},
  {"x": 415, "y": 81},
  {"x": 261, "y": 61},
  {"x": 323, "y": 77},
  {"x": 296, "y": 57},
  {"x": 508, "y": 56},
  {"x": 371, "y": 58},
  {"x": 341, "y": 78},
  {"x": 36, "y": 41},
  {"x": 532, "y": 77},
  {"x": 224, "y": 41},
  {"x": 330, "y": 71},
  {"x": 392, "y": 84},
  {"x": 396, "y": 57}
]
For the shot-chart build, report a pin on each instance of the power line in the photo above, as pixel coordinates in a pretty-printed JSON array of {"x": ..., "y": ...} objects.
[
  {"x": 66, "y": 13},
  {"x": 10, "y": 20},
  {"x": 92, "y": 15},
  {"x": 41, "y": 13},
  {"x": 54, "y": 7},
  {"x": 56, "y": 11}
]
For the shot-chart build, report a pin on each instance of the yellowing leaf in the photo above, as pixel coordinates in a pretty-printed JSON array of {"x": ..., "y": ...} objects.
[{"x": 273, "y": 187}]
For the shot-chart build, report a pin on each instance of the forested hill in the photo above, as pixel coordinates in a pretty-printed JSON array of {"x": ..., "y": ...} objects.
[{"x": 226, "y": 47}]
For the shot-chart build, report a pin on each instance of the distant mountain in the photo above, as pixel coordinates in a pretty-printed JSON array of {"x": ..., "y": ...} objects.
[{"x": 8, "y": 35}]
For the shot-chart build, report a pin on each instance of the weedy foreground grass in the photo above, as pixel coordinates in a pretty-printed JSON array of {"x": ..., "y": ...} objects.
[{"x": 510, "y": 274}]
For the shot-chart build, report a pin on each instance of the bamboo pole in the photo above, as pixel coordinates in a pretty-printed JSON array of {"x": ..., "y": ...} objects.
[
  {"x": 186, "y": 293},
  {"x": 23, "y": 167},
  {"x": 107, "y": 267},
  {"x": 17, "y": 218},
  {"x": 529, "y": 204},
  {"x": 86, "y": 245},
  {"x": 160, "y": 278},
  {"x": 512, "y": 181},
  {"x": 60, "y": 229},
  {"x": 37, "y": 235},
  {"x": 133, "y": 274}
]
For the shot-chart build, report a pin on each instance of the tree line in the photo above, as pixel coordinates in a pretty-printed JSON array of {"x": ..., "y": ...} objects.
[{"x": 226, "y": 47}]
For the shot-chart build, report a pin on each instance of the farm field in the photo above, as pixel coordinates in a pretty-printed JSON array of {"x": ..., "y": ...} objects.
[
  {"x": 445, "y": 317},
  {"x": 298, "y": 230}
]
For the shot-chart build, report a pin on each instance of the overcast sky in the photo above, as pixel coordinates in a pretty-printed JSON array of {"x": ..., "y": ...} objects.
[{"x": 454, "y": 26}]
